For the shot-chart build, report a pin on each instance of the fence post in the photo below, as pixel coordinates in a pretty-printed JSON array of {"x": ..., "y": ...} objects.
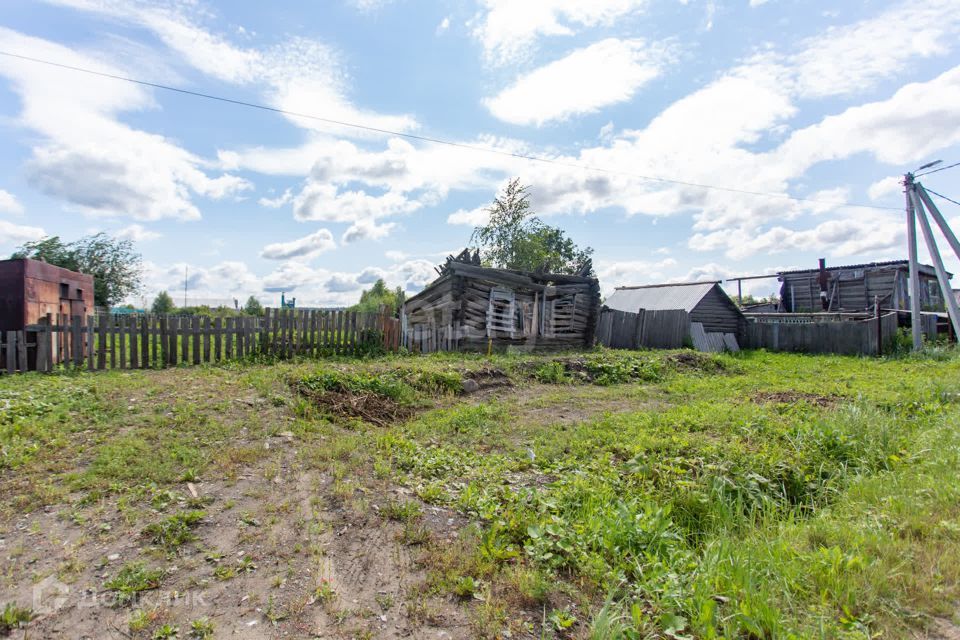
[
  {"x": 266, "y": 340},
  {"x": 876, "y": 314},
  {"x": 144, "y": 342},
  {"x": 48, "y": 343},
  {"x": 91, "y": 361},
  {"x": 22, "y": 350}
]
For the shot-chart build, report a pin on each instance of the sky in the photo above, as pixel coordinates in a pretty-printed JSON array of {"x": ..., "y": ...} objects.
[{"x": 650, "y": 120}]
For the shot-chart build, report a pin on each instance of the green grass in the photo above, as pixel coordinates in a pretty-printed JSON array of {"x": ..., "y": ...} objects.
[
  {"x": 715, "y": 515},
  {"x": 132, "y": 579},
  {"x": 607, "y": 495},
  {"x": 12, "y": 617},
  {"x": 174, "y": 531}
]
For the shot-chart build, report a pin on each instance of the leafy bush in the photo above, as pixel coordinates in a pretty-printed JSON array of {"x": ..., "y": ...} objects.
[{"x": 553, "y": 373}]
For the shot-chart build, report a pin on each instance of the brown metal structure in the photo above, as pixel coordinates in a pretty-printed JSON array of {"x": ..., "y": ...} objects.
[{"x": 32, "y": 289}]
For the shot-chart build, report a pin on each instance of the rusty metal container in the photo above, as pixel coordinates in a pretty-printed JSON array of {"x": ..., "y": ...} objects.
[{"x": 31, "y": 289}]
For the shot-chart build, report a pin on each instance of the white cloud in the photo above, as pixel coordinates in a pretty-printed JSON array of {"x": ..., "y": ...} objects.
[
  {"x": 367, "y": 230},
  {"x": 471, "y": 217},
  {"x": 917, "y": 120},
  {"x": 368, "y": 6},
  {"x": 885, "y": 187},
  {"x": 619, "y": 273},
  {"x": 308, "y": 246},
  {"x": 275, "y": 203},
  {"x": 15, "y": 234},
  {"x": 509, "y": 29},
  {"x": 712, "y": 135},
  {"x": 605, "y": 73},
  {"x": 443, "y": 26},
  {"x": 137, "y": 233},
  {"x": 300, "y": 75},
  {"x": 321, "y": 201},
  {"x": 849, "y": 235},
  {"x": 853, "y": 58},
  {"x": 9, "y": 203},
  {"x": 89, "y": 159}
]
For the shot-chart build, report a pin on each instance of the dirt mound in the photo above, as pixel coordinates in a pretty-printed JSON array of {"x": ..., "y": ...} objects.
[
  {"x": 792, "y": 397},
  {"x": 369, "y": 407},
  {"x": 483, "y": 379},
  {"x": 694, "y": 361}
]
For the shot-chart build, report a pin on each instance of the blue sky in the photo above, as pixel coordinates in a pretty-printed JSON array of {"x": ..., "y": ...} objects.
[{"x": 825, "y": 101}]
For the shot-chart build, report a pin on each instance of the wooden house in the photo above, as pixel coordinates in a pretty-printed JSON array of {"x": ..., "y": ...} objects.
[
  {"x": 853, "y": 288},
  {"x": 705, "y": 302},
  {"x": 475, "y": 308}
]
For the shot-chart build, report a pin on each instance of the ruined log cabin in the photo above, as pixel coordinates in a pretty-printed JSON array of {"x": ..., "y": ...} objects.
[{"x": 475, "y": 308}]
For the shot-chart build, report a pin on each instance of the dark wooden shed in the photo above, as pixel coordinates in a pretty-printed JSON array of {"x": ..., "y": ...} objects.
[
  {"x": 473, "y": 308},
  {"x": 31, "y": 289},
  {"x": 706, "y": 303}
]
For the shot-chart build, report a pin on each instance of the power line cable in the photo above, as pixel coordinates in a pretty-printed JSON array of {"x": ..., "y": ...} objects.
[
  {"x": 450, "y": 143},
  {"x": 940, "y": 195},
  {"x": 926, "y": 173}
]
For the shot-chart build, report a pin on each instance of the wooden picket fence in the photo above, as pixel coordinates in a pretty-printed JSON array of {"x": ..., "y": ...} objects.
[{"x": 155, "y": 341}]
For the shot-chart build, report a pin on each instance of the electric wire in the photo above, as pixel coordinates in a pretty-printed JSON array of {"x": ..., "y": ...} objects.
[
  {"x": 940, "y": 195},
  {"x": 926, "y": 173},
  {"x": 450, "y": 143}
]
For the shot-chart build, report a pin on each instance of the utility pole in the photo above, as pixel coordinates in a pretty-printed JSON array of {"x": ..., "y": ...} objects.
[
  {"x": 914, "y": 288},
  {"x": 953, "y": 309}
]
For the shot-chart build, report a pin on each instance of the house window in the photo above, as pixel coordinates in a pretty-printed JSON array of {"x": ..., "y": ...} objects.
[
  {"x": 561, "y": 314},
  {"x": 79, "y": 294},
  {"x": 501, "y": 312},
  {"x": 64, "y": 291},
  {"x": 933, "y": 291}
]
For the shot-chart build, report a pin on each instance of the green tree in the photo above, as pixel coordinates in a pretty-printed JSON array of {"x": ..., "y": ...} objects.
[
  {"x": 253, "y": 307},
  {"x": 163, "y": 303},
  {"x": 515, "y": 238},
  {"x": 116, "y": 267},
  {"x": 380, "y": 295}
]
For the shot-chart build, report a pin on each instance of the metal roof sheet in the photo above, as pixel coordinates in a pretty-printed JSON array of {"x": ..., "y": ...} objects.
[
  {"x": 924, "y": 268},
  {"x": 659, "y": 297}
]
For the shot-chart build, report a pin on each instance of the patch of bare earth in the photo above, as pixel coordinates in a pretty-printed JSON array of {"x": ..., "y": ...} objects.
[
  {"x": 276, "y": 555},
  {"x": 793, "y": 397},
  {"x": 942, "y": 629}
]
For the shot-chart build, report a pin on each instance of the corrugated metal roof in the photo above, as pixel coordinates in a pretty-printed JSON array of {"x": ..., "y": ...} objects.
[
  {"x": 923, "y": 268},
  {"x": 659, "y": 297}
]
